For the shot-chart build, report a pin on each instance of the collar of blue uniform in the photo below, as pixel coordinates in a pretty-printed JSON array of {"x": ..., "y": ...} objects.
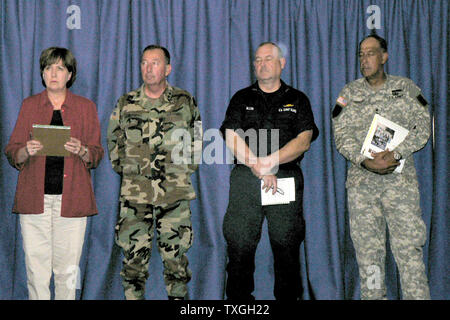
[{"x": 283, "y": 88}]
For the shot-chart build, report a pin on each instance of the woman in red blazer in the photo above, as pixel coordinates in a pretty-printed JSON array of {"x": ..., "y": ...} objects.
[{"x": 54, "y": 194}]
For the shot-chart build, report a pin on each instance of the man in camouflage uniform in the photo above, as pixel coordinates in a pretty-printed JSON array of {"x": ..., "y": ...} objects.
[
  {"x": 154, "y": 136},
  {"x": 376, "y": 195}
]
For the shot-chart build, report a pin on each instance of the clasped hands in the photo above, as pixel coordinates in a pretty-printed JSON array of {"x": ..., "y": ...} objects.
[
  {"x": 263, "y": 169},
  {"x": 382, "y": 162},
  {"x": 73, "y": 146}
]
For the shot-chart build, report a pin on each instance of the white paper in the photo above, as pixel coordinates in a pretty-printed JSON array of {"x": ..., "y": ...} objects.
[
  {"x": 384, "y": 134},
  {"x": 284, "y": 195}
]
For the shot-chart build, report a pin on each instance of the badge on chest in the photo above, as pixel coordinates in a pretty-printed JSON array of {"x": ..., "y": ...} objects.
[
  {"x": 397, "y": 93},
  {"x": 287, "y": 108}
]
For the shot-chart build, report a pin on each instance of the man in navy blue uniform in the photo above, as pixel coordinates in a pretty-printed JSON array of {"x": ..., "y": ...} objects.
[{"x": 267, "y": 110}]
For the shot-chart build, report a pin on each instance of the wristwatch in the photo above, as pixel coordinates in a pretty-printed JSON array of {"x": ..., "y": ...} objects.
[{"x": 397, "y": 155}]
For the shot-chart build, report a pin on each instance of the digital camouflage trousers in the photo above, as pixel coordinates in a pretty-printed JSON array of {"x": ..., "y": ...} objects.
[{"x": 396, "y": 205}]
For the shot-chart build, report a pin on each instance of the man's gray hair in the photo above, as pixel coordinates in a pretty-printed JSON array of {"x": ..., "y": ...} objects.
[{"x": 280, "y": 52}]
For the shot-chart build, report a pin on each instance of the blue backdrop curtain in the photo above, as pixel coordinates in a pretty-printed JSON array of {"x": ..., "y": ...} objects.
[{"x": 212, "y": 43}]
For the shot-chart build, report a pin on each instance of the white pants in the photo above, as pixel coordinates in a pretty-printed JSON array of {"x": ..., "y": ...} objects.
[{"x": 52, "y": 244}]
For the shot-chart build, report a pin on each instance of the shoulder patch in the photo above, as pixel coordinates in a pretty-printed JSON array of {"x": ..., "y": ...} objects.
[
  {"x": 337, "y": 110},
  {"x": 181, "y": 94},
  {"x": 422, "y": 100},
  {"x": 341, "y": 103}
]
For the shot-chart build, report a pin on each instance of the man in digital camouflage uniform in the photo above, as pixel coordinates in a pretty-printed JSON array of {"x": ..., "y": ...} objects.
[
  {"x": 376, "y": 195},
  {"x": 145, "y": 135}
]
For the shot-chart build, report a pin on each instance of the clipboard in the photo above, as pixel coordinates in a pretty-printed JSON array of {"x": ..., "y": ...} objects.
[{"x": 53, "y": 138}]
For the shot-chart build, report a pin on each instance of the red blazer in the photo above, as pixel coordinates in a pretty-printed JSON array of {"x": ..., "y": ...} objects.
[{"x": 78, "y": 196}]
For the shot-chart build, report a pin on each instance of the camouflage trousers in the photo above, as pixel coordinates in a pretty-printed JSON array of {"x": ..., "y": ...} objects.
[
  {"x": 134, "y": 234},
  {"x": 397, "y": 205}
]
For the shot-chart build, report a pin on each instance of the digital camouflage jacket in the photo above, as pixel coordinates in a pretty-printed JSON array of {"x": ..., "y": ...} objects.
[{"x": 400, "y": 100}]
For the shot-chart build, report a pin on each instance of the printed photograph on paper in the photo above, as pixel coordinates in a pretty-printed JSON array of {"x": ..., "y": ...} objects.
[{"x": 382, "y": 136}]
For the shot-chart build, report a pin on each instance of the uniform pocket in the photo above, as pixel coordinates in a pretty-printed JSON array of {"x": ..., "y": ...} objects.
[
  {"x": 137, "y": 153},
  {"x": 131, "y": 169},
  {"x": 251, "y": 120},
  {"x": 173, "y": 122},
  {"x": 134, "y": 129},
  {"x": 285, "y": 119},
  {"x": 177, "y": 140}
]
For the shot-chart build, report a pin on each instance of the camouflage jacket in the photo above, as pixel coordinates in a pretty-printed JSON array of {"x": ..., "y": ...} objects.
[
  {"x": 152, "y": 145},
  {"x": 398, "y": 100}
]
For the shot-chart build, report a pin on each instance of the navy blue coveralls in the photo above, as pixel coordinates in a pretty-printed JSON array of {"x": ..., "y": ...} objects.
[{"x": 289, "y": 111}]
